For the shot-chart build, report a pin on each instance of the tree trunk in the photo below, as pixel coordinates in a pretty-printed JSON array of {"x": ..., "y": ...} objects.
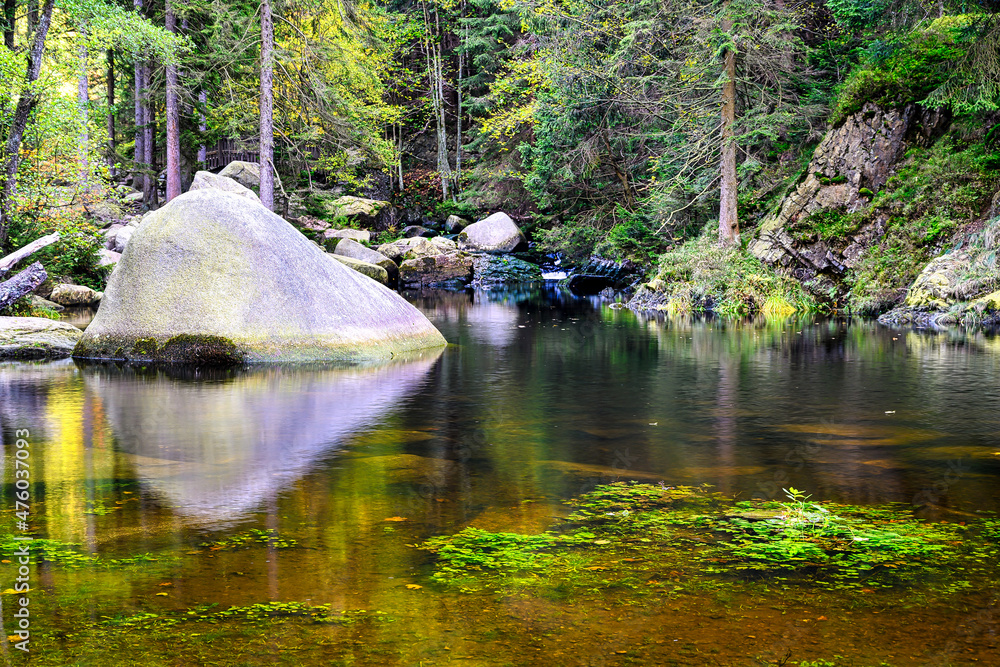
[
  {"x": 729, "y": 229},
  {"x": 25, "y": 103},
  {"x": 202, "y": 127},
  {"x": 112, "y": 143},
  {"x": 32, "y": 18},
  {"x": 9, "y": 22},
  {"x": 11, "y": 260},
  {"x": 139, "y": 154},
  {"x": 150, "y": 184},
  {"x": 266, "y": 106},
  {"x": 173, "y": 118},
  {"x": 21, "y": 284},
  {"x": 83, "y": 107}
]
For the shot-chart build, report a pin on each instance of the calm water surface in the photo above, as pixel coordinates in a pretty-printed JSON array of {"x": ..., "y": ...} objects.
[{"x": 539, "y": 397}]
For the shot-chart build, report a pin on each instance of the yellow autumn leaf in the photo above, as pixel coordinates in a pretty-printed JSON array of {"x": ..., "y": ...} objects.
[
  {"x": 413, "y": 587},
  {"x": 396, "y": 518}
]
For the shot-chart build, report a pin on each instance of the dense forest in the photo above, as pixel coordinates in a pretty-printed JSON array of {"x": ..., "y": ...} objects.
[{"x": 666, "y": 136}]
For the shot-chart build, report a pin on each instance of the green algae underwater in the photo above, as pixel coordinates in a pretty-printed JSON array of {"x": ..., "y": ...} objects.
[{"x": 568, "y": 484}]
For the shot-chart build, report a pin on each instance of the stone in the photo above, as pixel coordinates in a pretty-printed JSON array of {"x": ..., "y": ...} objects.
[
  {"x": 436, "y": 269},
  {"x": 121, "y": 238},
  {"x": 497, "y": 233},
  {"x": 207, "y": 180},
  {"x": 109, "y": 236},
  {"x": 39, "y": 302},
  {"x": 108, "y": 257},
  {"x": 936, "y": 285},
  {"x": 246, "y": 174},
  {"x": 333, "y": 236},
  {"x": 373, "y": 271},
  {"x": 74, "y": 295},
  {"x": 501, "y": 269},
  {"x": 133, "y": 198},
  {"x": 309, "y": 223},
  {"x": 36, "y": 338},
  {"x": 454, "y": 224},
  {"x": 851, "y": 163},
  {"x": 445, "y": 245},
  {"x": 416, "y": 230},
  {"x": 412, "y": 248},
  {"x": 362, "y": 210},
  {"x": 354, "y": 250},
  {"x": 216, "y": 278}
]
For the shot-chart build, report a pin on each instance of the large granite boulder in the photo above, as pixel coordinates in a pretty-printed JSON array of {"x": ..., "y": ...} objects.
[
  {"x": 359, "y": 209},
  {"x": 497, "y": 233},
  {"x": 36, "y": 338},
  {"x": 216, "y": 278},
  {"x": 436, "y": 270},
  {"x": 206, "y": 180},
  {"x": 354, "y": 250}
]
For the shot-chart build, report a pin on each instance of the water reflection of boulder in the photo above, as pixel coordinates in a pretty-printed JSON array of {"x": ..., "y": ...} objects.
[{"x": 215, "y": 446}]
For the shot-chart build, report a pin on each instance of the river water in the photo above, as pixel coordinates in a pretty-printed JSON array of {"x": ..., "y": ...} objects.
[{"x": 539, "y": 397}]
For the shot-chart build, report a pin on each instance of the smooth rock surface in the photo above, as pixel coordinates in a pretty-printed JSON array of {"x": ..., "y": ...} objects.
[
  {"x": 497, "y": 233},
  {"x": 331, "y": 237},
  {"x": 207, "y": 180},
  {"x": 36, "y": 338},
  {"x": 246, "y": 174},
  {"x": 373, "y": 271},
  {"x": 454, "y": 224},
  {"x": 353, "y": 249},
  {"x": 216, "y": 278},
  {"x": 41, "y": 302}
]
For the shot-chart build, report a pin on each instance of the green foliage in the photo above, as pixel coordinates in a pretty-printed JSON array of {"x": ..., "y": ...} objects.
[
  {"x": 701, "y": 275},
  {"x": 23, "y": 308},
  {"x": 817, "y": 544},
  {"x": 253, "y": 538},
  {"x": 74, "y": 255},
  {"x": 630, "y": 239},
  {"x": 67, "y": 555},
  {"x": 574, "y": 240},
  {"x": 921, "y": 63},
  {"x": 935, "y": 195}
]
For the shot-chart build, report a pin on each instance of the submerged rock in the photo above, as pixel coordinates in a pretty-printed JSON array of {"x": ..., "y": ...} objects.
[
  {"x": 36, "y": 338},
  {"x": 497, "y": 233},
  {"x": 213, "y": 277}
]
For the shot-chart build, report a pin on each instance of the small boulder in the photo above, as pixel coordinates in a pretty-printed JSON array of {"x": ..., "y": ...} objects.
[
  {"x": 373, "y": 271},
  {"x": 445, "y": 245},
  {"x": 36, "y": 338},
  {"x": 309, "y": 223},
  {"x": 133, "y": 198},
  {"x": 39, "y": 302},
  {"x": 108, "y": 257},
  {"x": 354, "y": 250},
  {"x": 207, "y": 180},
  {"x": 416, "y": 230},
  {"x": 435, "y": 270},
  {"x": 363, "y": 211},
  {"x": 121, "y": 239},
  {"x": 497, "y": 233},
  {"x": 455, "y": 224},
  {"x": 74, "y": 295},
  {"x": 331, "y": 237},
  {"x": 246, "y": 174},
  {"x": 109, "y": 236},
  {"x": 411, "y": 248}
]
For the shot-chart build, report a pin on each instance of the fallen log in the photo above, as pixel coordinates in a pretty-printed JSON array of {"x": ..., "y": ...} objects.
[
  {"x": 21, "y": 284},
  {"x": 8, "y": 262}
]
